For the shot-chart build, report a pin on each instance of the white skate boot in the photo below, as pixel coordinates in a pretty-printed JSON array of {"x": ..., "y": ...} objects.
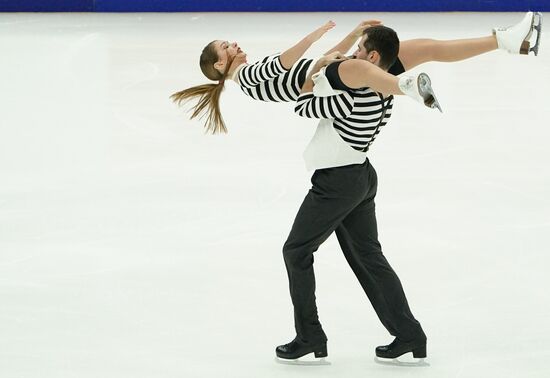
[
  {"x": 419, "y": 88},
  {"x": 516, "y": 39}
]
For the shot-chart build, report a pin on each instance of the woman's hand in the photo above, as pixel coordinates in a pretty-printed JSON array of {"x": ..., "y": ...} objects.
[
  {"x": 239, "y": 59},
  {"x": 324, "y": 61},
  {"x": 318, "y": 33},
  {"x": 359, "y": 29},
  {"x": 335, "y": 56}
]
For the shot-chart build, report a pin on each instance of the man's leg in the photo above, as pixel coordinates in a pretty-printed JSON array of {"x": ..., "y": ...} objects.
[
  {"x": 358, "y": 238},
  {"x": 334, "y": 194},
  {"x": 382, "y": 286}
]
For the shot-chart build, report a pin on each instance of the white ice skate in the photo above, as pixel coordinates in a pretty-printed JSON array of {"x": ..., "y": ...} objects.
[
  {"x": 419, "y": 88},
  {"x": 516, "y": 39}
]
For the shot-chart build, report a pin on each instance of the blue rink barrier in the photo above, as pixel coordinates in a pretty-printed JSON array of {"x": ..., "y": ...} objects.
[{"x": 272, "y": 5}]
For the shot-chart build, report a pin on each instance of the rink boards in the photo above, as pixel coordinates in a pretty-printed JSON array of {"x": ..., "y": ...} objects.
[{"x": 271, "y": 6}]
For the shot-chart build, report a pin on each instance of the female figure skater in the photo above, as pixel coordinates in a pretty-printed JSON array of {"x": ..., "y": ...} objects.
[
  {"x": 278, "y": 77},
  {"x": 221, "y": 60}
]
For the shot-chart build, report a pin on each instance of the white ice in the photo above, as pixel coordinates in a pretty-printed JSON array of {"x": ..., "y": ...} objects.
[{"x": 134, "y": 245}]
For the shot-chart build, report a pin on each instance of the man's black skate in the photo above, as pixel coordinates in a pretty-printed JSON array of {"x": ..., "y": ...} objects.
[
  {"x": 296, "y": 349},
  {"x": 398, "y": 348}
]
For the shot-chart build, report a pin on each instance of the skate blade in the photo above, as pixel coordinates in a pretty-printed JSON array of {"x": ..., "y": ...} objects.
[
  {"x": 303, "y": 361},
  {"x": 432, "y": 103},
  {"x": 427, "y": 93},
  {"x": 537, "y": 25},
  {"x": 421, "y": 362}
]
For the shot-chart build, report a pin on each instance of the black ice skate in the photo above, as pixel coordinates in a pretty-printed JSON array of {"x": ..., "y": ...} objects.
[
  {"x": 398, "y": 348},
  {"x": 296, "y": 349}
]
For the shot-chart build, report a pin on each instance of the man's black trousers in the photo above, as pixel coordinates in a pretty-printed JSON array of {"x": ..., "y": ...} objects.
[{"x": 342, "y": 199}]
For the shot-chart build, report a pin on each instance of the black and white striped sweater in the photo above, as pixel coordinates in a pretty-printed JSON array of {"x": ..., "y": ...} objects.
[
  {"x": 358, "y": 114},
  {"x": 267, "y": 80}
]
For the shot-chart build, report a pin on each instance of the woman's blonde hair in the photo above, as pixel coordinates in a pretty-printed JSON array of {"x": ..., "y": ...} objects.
[{"x": 208, "y": 94}]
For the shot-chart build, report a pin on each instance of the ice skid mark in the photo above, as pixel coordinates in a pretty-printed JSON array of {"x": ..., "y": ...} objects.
[
  {"x": 145, "y": 71},
  {"x": 298, "y": 362},
  {"x": 396, "y": 362}
]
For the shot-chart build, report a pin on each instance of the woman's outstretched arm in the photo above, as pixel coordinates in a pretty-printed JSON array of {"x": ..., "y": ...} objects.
[
  {"x": 291, "y": 56},
  {"x": 349, "y": 40},
  {"x": 271, "y": 67}
]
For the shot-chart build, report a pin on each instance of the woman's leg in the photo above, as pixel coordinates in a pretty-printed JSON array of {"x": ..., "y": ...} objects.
[
  {"x": 417, "y": 51},
  {"x": 516, "y": 39}
]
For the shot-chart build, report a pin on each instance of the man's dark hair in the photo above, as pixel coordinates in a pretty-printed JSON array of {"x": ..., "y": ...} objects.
[{"x": 385, "y": 41}]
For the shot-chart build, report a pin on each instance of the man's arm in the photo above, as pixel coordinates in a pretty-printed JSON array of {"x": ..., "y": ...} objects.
[
  {"x": 309, "y": 106},
  {"x": 357, "y": 73}
]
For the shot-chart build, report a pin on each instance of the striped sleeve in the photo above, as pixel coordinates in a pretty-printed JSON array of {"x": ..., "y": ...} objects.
[
  {"x": 337, "y": 106},
  {"x": 261, "y": 71}
]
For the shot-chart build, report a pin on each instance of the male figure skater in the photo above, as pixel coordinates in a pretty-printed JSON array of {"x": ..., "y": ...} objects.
[{"x": 344, "y": 185}]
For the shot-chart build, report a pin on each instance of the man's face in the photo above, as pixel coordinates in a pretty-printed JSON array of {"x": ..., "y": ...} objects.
[{"x": 362, "y": 53}]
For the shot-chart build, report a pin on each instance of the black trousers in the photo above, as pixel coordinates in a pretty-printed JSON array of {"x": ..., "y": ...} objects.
[{"x": 342, "y": 199}]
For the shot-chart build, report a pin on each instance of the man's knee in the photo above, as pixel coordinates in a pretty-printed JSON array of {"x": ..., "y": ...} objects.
[{"x": 298, "y": 256}]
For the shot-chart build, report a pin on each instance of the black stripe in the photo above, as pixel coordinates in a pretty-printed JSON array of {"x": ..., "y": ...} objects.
[
  {"x": 276, "y": 85},
  {"x": 312, "y": 107},
  {"x": 248, "y": 91},
  {"x": 272, "y": 69},
  {"x": 268, "y": 92},
  {"x": 293, "y": 79},
  {"x": 242, "y": 77},
  {"x": 374, "y": 103},
  {"x": 371, "y": 103},
  {"x": 365, "y": 138},
  {"x": 305, "y": 96},
  {"x": 368, "y": 113},
  {"x": 348, "y": 106},
  {"x": 322, "y": 107},
  {"x": 259, "y": 94},
  {"x": 367, "y": 94},
  {"x": 340, "y": 110},
  {"x": 352, "y": 141},
  {"x": 330, "y": 106},
  {"x": 356, "y": 128},
  {"x": 303, "y": 71},
  {"x": 261, "y": 74},
  {"x": 284, "y": 85}
]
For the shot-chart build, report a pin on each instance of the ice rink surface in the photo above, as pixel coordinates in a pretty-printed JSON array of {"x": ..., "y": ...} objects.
[{"x": 134, "y": 245}]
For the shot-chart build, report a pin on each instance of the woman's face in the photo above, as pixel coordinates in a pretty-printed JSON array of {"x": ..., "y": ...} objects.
[{"x": 225, "y": 51}]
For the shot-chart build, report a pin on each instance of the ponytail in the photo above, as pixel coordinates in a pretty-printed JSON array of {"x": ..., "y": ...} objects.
[
  {"x": 208, "y": 105},
  {"x": 208, "y": 94}
]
